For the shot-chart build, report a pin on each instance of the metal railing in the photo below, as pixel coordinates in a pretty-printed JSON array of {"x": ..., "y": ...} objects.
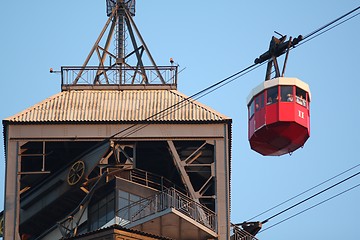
[
  {"x": 148, "y": 179},
  {"x": 170, "y": 198},
  {"x": 240, "y": 234},
  {"x": 115, "y": 75},
  {"x": 151, "y": 180}
]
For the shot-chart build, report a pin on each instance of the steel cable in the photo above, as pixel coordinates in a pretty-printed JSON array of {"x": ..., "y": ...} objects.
[
  {"x": 312, "y": 196},
  {"x": 294, "y": 215},
  {"x": 305, "y": 192}
]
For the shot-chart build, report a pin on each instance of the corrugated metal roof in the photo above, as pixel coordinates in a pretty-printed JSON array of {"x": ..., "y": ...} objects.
[{"x": 117, "y": 105}]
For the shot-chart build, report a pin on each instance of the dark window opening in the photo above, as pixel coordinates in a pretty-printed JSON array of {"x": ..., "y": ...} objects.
[
  {"x": 48, "y": 156},
  {"x": 259, "y": 102},
  {"x": 287, "y": 94},
  {"x": 272, "y": 95},
  {"x": 155, "y": 157},
  {"x": 262, "y": 100}
]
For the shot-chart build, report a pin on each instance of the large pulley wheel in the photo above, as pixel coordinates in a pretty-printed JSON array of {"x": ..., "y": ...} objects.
[
  {"x": 76, "y": 172},
  {"x": 1, "y": 226}
]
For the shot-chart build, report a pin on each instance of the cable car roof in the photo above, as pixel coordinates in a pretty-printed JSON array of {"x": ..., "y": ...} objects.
[{"x": 278, "y": 81}]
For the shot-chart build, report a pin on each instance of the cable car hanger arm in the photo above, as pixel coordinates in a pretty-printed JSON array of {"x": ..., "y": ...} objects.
[{"x": 277, "y": 47}]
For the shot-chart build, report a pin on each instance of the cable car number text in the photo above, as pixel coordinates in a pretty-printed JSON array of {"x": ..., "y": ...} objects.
[{"x": 301, "y": 114}]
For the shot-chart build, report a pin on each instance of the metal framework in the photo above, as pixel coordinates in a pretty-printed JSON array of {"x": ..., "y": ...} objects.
[
  {"x": 58, "y": 173},
  {"x": 278, "y": 46},
  {"x": 196, "y": 165},
  {"x": 69, "y": 226},
  {"x": 126, "y": 65}
]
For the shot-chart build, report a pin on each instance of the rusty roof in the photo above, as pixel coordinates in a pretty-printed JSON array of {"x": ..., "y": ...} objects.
[{"x": 117, "y": 105}]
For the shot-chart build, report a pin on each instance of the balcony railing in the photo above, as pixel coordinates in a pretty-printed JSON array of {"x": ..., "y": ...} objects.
[
  {"x": 148, "y": 179},
  {"x": 117, "y": 75},
  {"x": 152, "y": 180},
  {"x": 170, "y": 198}
]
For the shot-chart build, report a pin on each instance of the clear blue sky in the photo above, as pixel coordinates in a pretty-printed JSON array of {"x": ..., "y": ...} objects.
[{"x": 214, "y": 39}]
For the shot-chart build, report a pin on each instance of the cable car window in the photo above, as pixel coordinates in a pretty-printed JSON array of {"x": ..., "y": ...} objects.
[
  {"x": 287, "y": 94},
  {"x": 301, "y": 96},
  {"x": 251, "y": 109},
  {"x": 261, "y": 100},
  {"x": 257, "y": 104},
  {"x": 272, "y": 95}
]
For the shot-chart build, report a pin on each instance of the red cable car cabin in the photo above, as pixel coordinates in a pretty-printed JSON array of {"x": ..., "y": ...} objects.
[{"x": 279, "y": 116}]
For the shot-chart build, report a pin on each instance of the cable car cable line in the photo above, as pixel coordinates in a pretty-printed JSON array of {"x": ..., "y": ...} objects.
[
  {"x": 216, "y": 85},
  {"x": 312, "y": 196},
  {"x": 323, "y": 29},
  {"x": 282, "y": 203},
  {"x": 336, "y": 195},
  {"x": 320, "y": 33},
  {"x": 332, "y": 22}
]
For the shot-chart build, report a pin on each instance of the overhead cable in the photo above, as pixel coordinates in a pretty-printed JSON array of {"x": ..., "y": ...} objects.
[
  {"x": 336, "y": 195},
  {"x": 304, "y": 192},
  {"x": 312, "y": 196},
  {"x": 332, "y": 22}
]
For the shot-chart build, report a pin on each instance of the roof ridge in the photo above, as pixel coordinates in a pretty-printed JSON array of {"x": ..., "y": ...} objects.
[{"x": 117, "y": 105}]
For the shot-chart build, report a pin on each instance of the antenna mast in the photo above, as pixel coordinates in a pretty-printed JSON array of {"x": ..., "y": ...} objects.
[{"x": 124, "y": 48}]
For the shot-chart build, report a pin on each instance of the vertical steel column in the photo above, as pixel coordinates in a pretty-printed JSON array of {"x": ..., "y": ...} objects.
[{"x": 120, "y": 41}]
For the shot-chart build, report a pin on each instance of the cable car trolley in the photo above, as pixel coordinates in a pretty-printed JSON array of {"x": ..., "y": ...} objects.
[{"x": 278, "y": 108}]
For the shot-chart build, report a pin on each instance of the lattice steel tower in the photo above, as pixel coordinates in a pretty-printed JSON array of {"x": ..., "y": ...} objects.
[{"x": 120, "y": 55}]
